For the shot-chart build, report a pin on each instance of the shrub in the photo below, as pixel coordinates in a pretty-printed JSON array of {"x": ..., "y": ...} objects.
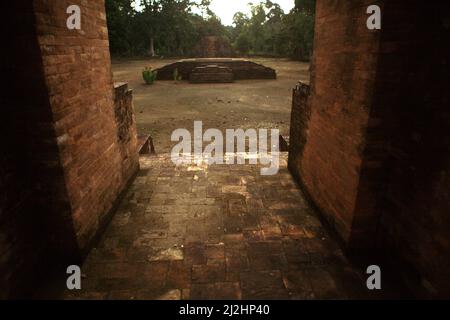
[
  {"x": 149, "y": 75},
  {"x": 176, "y": 75}
]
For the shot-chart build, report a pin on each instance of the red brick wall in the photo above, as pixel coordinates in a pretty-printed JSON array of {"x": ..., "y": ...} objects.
[
  {"x": 80, "y": 86},
  {"x": 371, "y": 144},
  {"x": 343, "y": 72},
  {"x": 126, "y": 128},
  {"x": 68, "y": 140}
]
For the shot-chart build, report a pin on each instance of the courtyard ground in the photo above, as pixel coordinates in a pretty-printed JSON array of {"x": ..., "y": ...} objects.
[
  {"x": 219, "y": 231},
  {"x": 169, "y": 105},
  {"x": 216, "y": 232}
]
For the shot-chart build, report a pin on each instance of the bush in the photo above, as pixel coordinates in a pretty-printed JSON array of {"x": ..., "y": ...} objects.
[{"x": 149, "y": 75}]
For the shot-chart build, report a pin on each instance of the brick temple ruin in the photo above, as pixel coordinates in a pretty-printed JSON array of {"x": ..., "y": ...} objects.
[
  {"x": 216, "y": 70},
  {"x": 369, "y": 150},
  {"x": 213, "y": 47}
]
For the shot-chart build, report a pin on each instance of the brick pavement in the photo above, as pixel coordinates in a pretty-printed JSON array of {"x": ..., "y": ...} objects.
[{"x": 216, "y": 232}]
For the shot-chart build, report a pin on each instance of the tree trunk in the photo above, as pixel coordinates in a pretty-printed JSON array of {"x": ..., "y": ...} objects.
[{"x": 152, "y": 48}]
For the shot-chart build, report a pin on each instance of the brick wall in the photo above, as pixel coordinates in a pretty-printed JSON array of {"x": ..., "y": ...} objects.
[
  {"x": 69, "y": 140},
  {"x": 126, "y": 128},
  {"x": 343, "y": 72},
  {"x": 411, "y": 114},
  {"x": 370, "y": 144},
  {"x": 36, "y": 230},
  {"x": 300, "y": 116},
  {"x": 79, "y": 81}
]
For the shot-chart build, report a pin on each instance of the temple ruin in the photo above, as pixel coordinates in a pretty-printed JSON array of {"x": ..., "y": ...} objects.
[
  {"x": 367, "y": 172},
  {"x": 241, "y": 69},
  {"x": 214, "y": 47}
]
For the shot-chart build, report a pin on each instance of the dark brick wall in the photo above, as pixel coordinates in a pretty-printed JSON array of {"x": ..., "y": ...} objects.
[
  {"x": 411, "y": 115},
  {"x": 36, "y": 231}
]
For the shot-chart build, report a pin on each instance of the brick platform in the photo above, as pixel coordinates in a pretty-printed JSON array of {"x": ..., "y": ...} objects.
[{"x": 242, "y": 69}]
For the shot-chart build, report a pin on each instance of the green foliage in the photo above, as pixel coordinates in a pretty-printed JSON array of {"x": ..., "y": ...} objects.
[
  {"x": 269, "y": 31},
  {"x": 243, "y": 43},
  {"x": 176, "y": 75},
  {"x": 170, "y": 28},
  {"x": 149, "y": 75},
  {"x": 300, "y": 31},
  {"x": 120, "y": 13},
  {"x": 175, "y": 30},
  {"x": 305, "y": 6}
]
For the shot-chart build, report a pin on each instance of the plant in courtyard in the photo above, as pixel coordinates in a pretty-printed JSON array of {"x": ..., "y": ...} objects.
[
  {"x": 149, "y": 75},
  {"x": 176, "y": 75}
]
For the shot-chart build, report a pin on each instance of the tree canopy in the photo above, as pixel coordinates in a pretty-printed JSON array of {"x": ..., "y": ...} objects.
[{"x": 171, "y": 28}]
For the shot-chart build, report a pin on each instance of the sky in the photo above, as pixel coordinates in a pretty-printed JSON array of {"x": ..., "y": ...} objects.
[{"x": 225, "y": 9}]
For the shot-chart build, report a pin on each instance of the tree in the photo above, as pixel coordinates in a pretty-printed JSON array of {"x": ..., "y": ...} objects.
[
  {"x": 299, "y": 25},
  {"x": 120, "y": 14},
  {"x": 242, "y": 43},
  {"x": 170, "y": 28},
  {"x": 306, "y": 6}
]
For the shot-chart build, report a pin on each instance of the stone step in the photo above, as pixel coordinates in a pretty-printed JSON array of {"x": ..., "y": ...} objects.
[{"x": 211, "y": 74}]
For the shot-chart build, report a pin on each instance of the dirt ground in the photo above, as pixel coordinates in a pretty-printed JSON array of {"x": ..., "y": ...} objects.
[{"x": 168, "y": 105}]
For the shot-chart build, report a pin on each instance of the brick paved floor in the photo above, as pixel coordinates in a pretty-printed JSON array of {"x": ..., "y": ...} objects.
[{"x": 217, "y": 232}]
